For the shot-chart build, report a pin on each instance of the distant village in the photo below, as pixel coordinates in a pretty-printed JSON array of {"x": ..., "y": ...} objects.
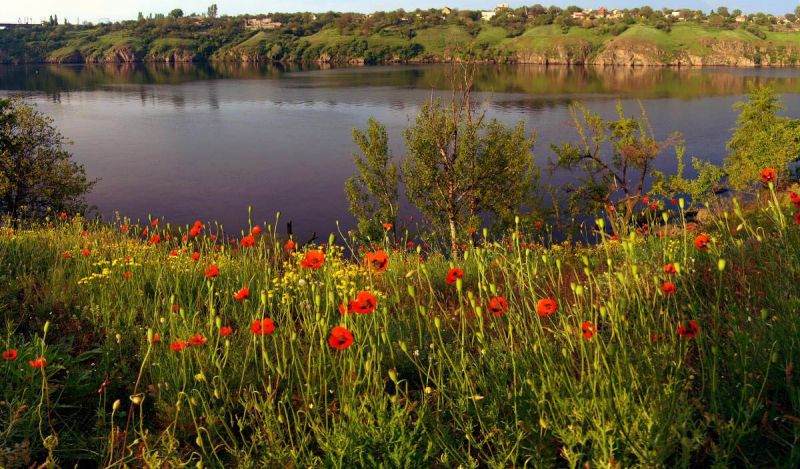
[{"x": 583, "y": 16}]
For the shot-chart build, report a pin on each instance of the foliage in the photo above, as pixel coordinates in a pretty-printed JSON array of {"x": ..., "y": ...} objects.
[
  {"x": 37, "y": 173},
  {"x": 761, "y": 138},
  {"x": 391, "y": 36},
  {"x": 622, "y": 368},
  {"x": 372, "y": 192},
  {"x": 613, "y": 159},
  {"x": 460, "y": 166},
  {"x": 702, "y": 189}
]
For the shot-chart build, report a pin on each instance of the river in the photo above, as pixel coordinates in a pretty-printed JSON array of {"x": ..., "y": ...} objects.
[{"x": 204, "y": 141}]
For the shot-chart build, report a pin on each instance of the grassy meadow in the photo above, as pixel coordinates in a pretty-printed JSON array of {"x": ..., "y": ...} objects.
[{"x": 153, "y": 345}]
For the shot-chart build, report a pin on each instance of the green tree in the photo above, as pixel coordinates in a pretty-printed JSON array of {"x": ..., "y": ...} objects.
[
  {"x": 372, "y": 192},
  {"x": 459, "y": 165},
  {"x": 212, "y": 11},
  {"x": 614, "y": 159},
  {"x": 176, "y": 13},
  {"x": 36, "y": 171},
  {"x": 761, "y": 138},
  {"x": 702, "y": 189}
]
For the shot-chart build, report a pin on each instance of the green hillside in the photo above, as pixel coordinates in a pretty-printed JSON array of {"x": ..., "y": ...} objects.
[{"x": 420, "y": 37}]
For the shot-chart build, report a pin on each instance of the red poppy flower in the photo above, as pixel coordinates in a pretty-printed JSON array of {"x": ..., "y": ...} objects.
[
  {"x": 248, "y": 241},
  {"x": 154, "y": 222},
  {"x": 674, "y": 201},
  {"x": 86, "y": 252},
  {"x": 689, "y": 331},
  {"x": 225, "y": 331},
  {"x": 313, "y": 259},
  {"x": 453, "y": 275},
  {"x": 546, "y": 306},
  {"x": 155, "y": 239},
  {"x": 797, "y": 218},
  {"x": 289, "y": 246},
  {"x": 701, "y": 241},
  {"x": 365, "y": 303},
  {"x": 176, "y": 308},
  {"x": 498, "y": 305},
  {"x": 85, "y": 234},
  {"x": 670, "y": 269},
  {"x": 242, "y": 294},
  {"x": 195, "y": 256},
  {"x": 123, "y": 228},
  {"x": 387, "y": 226},
  {"x": 63, "y": 215},
  {"x": 38, "y": 362},
  {"x": 10, "y": 354},
  {"x": 173, "y": 253},
  {"x": 588, "y": 329},
  {"x": 645, "y": 200},
  {"x": 195, "y": 231},
  {"x": 669, "y": 288},
  {"x": 378, "y": 260},
  {"x": 795, "y": 198},
  {"x": 263, "y": 326},
  {"x": 256, "y": 230},
  {"x": 126, "y": 274},
  {"x": 340, "y": 338},
  {"x": 197, "y": 340},
  {"x": 178, "y": 345},
  {"x": 156, "y": 337},
  {"x": 67, "y": 255},
  {"x": 212, "y": 271},
  {"x": 768, "y": 175}
]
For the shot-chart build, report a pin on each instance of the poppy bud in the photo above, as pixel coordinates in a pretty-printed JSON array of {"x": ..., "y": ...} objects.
[
  {"x": 116, "y": 405},
  {"x": 46, "y": 326},
  {"x": 721, "y": 265},
  {"x": 149, "y": 335}
]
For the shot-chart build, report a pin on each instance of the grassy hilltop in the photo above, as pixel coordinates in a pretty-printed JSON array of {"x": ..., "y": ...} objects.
[{"x": 509, "y": 37}]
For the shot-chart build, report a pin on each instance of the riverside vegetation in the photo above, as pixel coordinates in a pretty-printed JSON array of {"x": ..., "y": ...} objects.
[
  {"x": 539, "y": 35},
  {"x": 670, "y": 340}
]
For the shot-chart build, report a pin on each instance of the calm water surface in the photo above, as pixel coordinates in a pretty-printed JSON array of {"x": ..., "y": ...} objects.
[{"x": 206, "y": 141}]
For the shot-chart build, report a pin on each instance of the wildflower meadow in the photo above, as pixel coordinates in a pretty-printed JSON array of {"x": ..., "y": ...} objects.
[{"x": 147, "y": 344}]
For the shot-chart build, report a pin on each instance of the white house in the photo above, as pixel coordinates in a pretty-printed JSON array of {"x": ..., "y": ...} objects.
[{"x": 487, "y": 15}]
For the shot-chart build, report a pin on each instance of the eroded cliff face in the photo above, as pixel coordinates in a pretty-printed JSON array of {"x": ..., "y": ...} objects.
[
  {"x": 562, "y": 54},
  {"x": 171, "y": 56},
  {"x": 616, "y": 52},
  {"x": 707, "y": 52}
]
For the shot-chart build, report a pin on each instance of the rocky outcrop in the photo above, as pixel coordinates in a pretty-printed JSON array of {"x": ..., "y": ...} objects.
[
  {"x": 577, "y": 53},
  {"x": 709, "y": 53},
  {"x": 171, "y": 56},
  {"x": 67, "y": 57}
]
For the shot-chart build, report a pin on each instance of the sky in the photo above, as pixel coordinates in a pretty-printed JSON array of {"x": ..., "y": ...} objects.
[{"x": 11, "y": 11}]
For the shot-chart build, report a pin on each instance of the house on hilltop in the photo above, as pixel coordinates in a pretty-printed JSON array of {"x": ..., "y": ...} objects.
[{"x": 261, "y": 23}]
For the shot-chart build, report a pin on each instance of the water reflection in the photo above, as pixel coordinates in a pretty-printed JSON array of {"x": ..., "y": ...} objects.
[{"x": 207, "y": 140}]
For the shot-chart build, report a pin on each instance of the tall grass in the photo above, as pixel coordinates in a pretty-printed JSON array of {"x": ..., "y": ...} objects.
[{"x": 625, "y": 372}]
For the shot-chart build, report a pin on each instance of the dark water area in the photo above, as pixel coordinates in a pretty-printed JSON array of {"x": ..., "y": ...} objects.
[{"x": 204, "y": 141}]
